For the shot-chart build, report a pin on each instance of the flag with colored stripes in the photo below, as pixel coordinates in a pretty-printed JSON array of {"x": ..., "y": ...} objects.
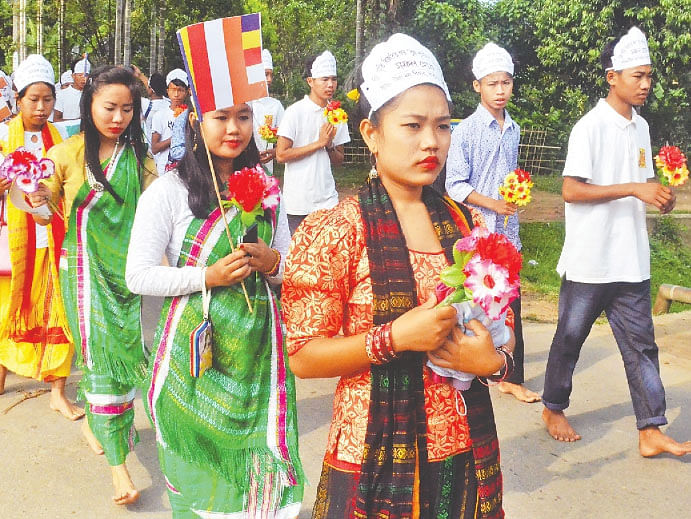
[{"x": 223, "y": 59}]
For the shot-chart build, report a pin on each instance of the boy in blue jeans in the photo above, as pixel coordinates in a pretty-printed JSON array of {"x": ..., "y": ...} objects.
[{"x": 605, "y": 262}]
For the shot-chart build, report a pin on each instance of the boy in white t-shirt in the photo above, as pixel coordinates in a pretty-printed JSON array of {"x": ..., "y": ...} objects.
[
  {"x": 308, "y": 145},
  {"x": 162, "y": 123},
  {"x": 261, "y": 108},
  {"x": 605, "y": 262},
  {"x": 68, "y": 99}
]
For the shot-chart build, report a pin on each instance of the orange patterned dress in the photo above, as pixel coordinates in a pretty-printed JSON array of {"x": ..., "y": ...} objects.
[{"x": 327, "y": 290}]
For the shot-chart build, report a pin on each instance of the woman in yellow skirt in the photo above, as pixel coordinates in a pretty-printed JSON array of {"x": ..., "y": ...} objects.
[{"x": 35, "y": 340}]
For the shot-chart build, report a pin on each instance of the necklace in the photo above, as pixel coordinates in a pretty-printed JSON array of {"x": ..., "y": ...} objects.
[{"x": 93, "y": 183}]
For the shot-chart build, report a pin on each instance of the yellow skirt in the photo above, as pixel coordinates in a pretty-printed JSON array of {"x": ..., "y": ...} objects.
[{"x": 42, "y": 352}]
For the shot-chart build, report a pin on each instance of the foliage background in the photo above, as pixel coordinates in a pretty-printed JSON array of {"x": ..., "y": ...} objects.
[{"x": 555, "y": 44}]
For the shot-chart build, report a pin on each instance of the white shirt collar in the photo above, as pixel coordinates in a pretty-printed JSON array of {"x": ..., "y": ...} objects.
[{"x": 609, "y": 112}]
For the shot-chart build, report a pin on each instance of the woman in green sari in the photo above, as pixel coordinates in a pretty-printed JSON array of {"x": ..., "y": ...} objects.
[
  {"x": 227, "y": 437},
  {"x": 99, "y": 174}
]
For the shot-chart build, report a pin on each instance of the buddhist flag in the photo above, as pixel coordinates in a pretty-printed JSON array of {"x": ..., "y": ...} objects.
[{"x": 223, "y": 59}]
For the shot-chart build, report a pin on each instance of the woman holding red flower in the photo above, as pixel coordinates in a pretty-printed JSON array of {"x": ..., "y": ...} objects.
[
  {"x": 34, "y": 336},
  {"x": 227, "y": 432},
  {"x": 403, "y": 442}
]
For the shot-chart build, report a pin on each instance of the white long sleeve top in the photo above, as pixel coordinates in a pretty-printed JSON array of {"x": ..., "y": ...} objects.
[{"x": 160, "y": 223}]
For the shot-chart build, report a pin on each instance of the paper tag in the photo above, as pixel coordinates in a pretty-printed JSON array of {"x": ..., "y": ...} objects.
[
  {"x": 17, "y": 197},
  {"x": 201, "y": 346},
  {"x": 641, "y": 157}
]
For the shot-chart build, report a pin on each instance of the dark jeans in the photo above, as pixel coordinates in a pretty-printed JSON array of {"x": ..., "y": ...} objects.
[
  {"x": 294, "y": 220},
  {"x": 627, "y": 306},
  {"x": 517, "y": 376}
]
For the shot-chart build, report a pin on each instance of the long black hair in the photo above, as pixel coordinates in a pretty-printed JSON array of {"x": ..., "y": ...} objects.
[
  {"x": 194, "y": 171},
  {"x": 102, "y": 76}
]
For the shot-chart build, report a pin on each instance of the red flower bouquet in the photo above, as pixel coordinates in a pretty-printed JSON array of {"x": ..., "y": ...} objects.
[
  {"x": 481, "y": 284},
  {"x": 335, "y": 114},
  {"x": 672, "y": 164},
  {"x": 252, "y": 191},
  {"x": 25, "y": 170}
]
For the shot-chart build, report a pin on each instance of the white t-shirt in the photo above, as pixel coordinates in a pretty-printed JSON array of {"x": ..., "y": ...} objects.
[
  {"x": 67, "y": 102},
  {"x": 607, "y": 242},
  {"x": 159, "y": 228},
  {"x": 147, "y": 118},
  {"x": 261, "y": 108},
  {"x": 308, "y": 184},
  {"x": 162, "y": 124}
]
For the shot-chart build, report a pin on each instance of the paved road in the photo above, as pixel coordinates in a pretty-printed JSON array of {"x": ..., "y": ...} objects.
[{"x": 47, "y": 471}]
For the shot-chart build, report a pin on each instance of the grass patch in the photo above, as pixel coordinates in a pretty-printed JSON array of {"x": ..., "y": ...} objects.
[
  {"x": 347, "y": 176},
  {"x": 548, "y": 183},
  {"x": 670, "y": 260}
]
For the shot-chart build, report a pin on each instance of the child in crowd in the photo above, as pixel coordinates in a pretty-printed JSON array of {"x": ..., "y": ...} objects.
[{"x": 162, "y": 123}]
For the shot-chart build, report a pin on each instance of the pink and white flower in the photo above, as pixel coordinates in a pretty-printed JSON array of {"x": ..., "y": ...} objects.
[{"x": 490, "y": 285}]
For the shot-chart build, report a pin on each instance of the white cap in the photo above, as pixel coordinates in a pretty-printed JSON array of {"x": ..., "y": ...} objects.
[
  {"x": 33, "y": 69},
  {"x": 177, "y": 73},
  {"x": 267, "y": 60},
  {"x": 83, "y": 66},
  {"x": 491, "y": 58},
  {"x": 631, "y": 51},
  {"x": 399, "y": 63},
  {"x": 324, "y": 65},
  {"x": 66, "y": 77}
]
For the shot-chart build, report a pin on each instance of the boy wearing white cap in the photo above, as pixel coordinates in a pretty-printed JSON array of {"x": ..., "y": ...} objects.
[
  {"x": 264, "y": 109},
  {"x": 162, "y": 123},
  {"x": 68, "y": 99},
  {"x": 605, "y": 262},
  {"x": 484, "y": 149},
  {"x": 308, "y": 145}
]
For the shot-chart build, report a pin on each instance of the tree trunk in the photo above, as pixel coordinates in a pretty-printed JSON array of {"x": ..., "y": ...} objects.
[
  {"x": 39, "y": 26},
  {"x": 126, "y": 46},
  {"x": 61, "y": 36},
  {"x": 22, "y": 30},
  {"x": 160, "y": 54},
  {"x": 152, "y": 38},
  {"x": 359, "y": 28},
  {"x": 117, "y": 46}
]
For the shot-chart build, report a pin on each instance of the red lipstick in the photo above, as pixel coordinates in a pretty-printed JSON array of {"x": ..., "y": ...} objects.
[{"x": 430, "y": 162}]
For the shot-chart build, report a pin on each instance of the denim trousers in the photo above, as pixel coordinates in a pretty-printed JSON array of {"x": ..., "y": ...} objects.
[{"x": 627, "y": 306}]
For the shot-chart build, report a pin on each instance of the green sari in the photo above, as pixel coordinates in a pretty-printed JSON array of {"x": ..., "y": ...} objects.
[
  {"x": 228, "y": 439},
  {"x": 104, "y": 316}
]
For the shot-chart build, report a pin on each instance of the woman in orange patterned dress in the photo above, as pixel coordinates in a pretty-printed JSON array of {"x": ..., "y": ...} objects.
[{"x": 403, "y": 441}]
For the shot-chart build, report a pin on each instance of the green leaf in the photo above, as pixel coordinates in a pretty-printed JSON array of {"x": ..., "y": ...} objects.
[{"x": 452, "y": 276}]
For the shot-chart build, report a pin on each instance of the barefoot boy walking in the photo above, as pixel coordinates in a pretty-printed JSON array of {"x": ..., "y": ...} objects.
[{"x": 605, "y": 262}]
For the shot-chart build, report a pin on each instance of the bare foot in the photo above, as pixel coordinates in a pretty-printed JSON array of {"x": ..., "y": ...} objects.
[
  {"x": 651, "y": 442},
  {"x": 91, "y": 439},
  {"x": 521, "y": 392},
  {"x": 558, "y": 426},
  {"x": 3, "y": 374},
  {"x": 125, "y": 493},
  {"x": 66, "y": 408}
]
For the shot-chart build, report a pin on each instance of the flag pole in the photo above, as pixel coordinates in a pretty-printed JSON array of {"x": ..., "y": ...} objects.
[{"x": 220, "y": 206}]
